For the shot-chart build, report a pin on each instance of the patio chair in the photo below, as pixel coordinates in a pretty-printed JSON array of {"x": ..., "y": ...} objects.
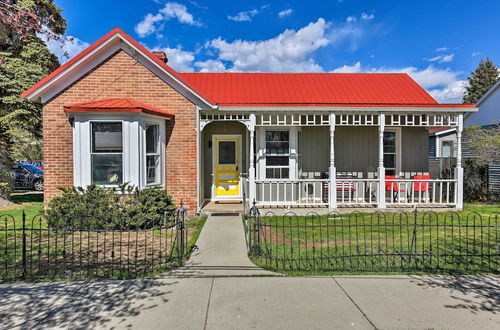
[
  {"x": 392, "y": 186},
  {"x": 420, "y": 187}
]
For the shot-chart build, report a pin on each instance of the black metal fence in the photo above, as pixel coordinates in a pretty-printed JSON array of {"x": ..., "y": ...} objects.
[
  {"x": 376, "y": 242},
  {"x": 31, "y": 249}
]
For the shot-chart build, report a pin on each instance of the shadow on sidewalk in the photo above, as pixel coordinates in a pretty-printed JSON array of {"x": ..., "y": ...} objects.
[
  {"x": 79, "y": 304},
  {"x": 485, "y": 290}
]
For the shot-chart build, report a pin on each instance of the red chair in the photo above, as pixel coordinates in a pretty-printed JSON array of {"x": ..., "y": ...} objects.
[
  {"x": 392, "y": 185},
  {"x": 423, "y": 186}
]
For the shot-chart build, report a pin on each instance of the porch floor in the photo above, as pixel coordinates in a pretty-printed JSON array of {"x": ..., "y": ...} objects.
[
  {"x": 209, "y": 208},
  {"x": 220, "y": 208}
]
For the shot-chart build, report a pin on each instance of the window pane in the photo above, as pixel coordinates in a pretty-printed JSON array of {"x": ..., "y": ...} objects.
[
  {"x": 389, "y": 141},
  {"x": 107, "y": 137},
  {"x": 227, "y": 152},
  {"x": 390, "y": 172},
  {"x": 107, "y": 169},
  {"x": 152, "y": 138},
  {"x": 276, "y": 161},
  {"x": 447, "y": 149},
  {"x": 277, "y": 148},
  {"x": 277, "y": 136},
  {"x": 285, "y": 173},
  {"x": 152, "y": 166},
  {"x": 389, "y": 161}
]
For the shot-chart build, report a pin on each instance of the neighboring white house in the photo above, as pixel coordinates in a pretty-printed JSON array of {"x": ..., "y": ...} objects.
[{"x": 489, "y": 109}]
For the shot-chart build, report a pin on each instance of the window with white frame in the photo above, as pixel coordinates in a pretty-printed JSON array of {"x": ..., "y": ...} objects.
[
  {"x": 106, "y": 155},
  {"x": 153, "y": 158},
  {"x": 391, "y": 155},
  {"x": 277, "y": 154},
  {"x": 447, "y": 149}
]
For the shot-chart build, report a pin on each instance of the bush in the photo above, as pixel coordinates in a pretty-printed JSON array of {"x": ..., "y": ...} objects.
[
  {"x": 475, "y": 181},
  {"x": 99, "y": 207}
]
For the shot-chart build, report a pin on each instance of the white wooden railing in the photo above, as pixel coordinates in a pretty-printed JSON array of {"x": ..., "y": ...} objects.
[
  {"x": 356, "y": 191},
  {"x": 303, "y": 192},
  {"x": 292, "y": 192},
  {"x": 426, "y": 191}
]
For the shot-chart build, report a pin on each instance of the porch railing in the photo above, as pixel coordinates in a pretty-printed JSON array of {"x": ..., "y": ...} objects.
[
  {"x": 356, "y": 191},
  {"x": 353, "y": 191},
  {"x": 292, "y": 192},
  {"x": 427, "y": 191}
]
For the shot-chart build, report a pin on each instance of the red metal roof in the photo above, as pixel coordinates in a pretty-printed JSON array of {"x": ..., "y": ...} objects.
[
  {"x": 287, "y": 89},
  {"x": 311, "y": 89},
  {"x": 117, "y": 105}
]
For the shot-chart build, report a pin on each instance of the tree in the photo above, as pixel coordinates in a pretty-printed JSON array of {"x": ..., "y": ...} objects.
[
  {"x": 480, "y": 81},
  {"x": 484, "y": 143},
  {"x": 24, "y": 60}
]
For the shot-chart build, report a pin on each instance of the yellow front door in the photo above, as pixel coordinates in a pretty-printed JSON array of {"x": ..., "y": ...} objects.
[{"x": 227, "y": 166}]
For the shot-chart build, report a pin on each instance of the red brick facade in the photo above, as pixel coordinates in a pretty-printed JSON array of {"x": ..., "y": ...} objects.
[{"x": 120, "y": 76}]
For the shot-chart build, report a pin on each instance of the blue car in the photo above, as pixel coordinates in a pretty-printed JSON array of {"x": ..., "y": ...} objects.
[{"x": 27, "y": 177}]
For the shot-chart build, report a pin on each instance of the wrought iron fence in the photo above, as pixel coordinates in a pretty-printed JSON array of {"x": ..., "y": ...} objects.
[
  {"x": 376, "y": 242},
  {"x": 33, "y": 249}
]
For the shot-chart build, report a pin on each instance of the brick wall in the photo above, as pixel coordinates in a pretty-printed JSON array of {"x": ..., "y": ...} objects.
[{"x": 122, "y": 76}]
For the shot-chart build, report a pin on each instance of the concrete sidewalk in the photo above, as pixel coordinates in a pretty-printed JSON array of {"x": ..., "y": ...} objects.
[
  {"x": 221, "y": 251},
  {"x": 343, "y": 302}
]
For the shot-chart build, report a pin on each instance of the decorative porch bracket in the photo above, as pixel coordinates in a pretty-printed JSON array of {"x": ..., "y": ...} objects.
[
  {"x": 459, "y": 171},
  {"x": 332, "y": 196},
  {"x": 381, "y": 169}
]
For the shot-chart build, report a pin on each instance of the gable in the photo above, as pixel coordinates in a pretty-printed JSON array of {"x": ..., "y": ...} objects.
[{"x": 96, "y": 54}]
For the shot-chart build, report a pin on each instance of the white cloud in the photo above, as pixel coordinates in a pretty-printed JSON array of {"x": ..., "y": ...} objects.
[
  {"x": 178, "y": 59},
  {"x": 367, "y": 17},
  {"x": 442, "y": 49},
  {"x": 453, "y": 93},
  {"x": 210, "y": 66},
  {"x": 442, "y": 58},
  {"x": 288, "y": 52},
  {"x": 172, "y": 10},
  {"x": 66, "y": 48},
  {"x": 442, "y": 84},
  {"x": 244, "y": 16},
  {"x": 474, "y": 54},
  {"x": 355, "y": 68},
  {"x": 285, "y": 12}
]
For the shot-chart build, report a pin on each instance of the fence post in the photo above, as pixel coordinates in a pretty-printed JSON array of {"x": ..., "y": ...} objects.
[
  {"x": 181, "y": 240},
  {"x": 24, "y": 272}
]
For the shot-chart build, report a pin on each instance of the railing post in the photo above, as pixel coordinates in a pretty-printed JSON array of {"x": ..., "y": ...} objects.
[
  {"x": 181, "y": 240},
  {"x": 332, "y": 193},
  {"x": 459, "y": 171},
  {"x": 24, "y": 271},
  {"x": 381, "y": 170},
  {"x": 251, "y": 170}
]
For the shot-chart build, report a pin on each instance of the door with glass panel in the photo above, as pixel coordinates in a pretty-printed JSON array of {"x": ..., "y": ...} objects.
[{"x": 227, "y": 159}]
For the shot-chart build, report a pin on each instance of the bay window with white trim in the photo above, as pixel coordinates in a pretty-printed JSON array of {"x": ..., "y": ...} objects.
[{"x": 112, "y": 149}]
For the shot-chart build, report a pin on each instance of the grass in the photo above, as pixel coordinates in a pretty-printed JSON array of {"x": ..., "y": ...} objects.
[
  {"x": 55, "y": 255},
  {"x": 31, "y": 203},
  {"x": 382, "y": 243}
]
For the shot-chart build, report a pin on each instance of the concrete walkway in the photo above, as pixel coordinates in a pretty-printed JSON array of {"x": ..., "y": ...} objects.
[
  {"x": 221, "y": 251},
  {"x": 343, "y": 302}
]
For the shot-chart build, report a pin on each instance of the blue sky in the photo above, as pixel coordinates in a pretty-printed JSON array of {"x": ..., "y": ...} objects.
[{"x": 437, "y": 42}]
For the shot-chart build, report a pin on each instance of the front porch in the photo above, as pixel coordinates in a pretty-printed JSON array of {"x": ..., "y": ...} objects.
[{"x": 325, "y": 160}]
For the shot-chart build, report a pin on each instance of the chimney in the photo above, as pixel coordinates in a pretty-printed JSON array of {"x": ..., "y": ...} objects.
[{"x": 161, "y": 55}]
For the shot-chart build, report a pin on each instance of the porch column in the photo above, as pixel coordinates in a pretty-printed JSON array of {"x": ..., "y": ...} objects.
[
  {"x": 251, "y": 169},
  {"x": 459, "y": 171},
  {"x": 332, "y": 196},
  {"x": 381, "y": 169}
]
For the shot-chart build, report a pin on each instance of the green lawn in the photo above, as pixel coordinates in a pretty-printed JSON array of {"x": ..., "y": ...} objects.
[
  {"x": 462, "y": 242},
  {"x": 58, "y": 254}
]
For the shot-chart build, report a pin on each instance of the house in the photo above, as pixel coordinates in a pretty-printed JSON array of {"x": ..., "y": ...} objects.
[{"x": 118, "y": 113}]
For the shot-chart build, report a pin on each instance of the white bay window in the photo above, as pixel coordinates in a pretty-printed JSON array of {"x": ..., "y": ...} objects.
[{"x": 112, "y": 149}]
